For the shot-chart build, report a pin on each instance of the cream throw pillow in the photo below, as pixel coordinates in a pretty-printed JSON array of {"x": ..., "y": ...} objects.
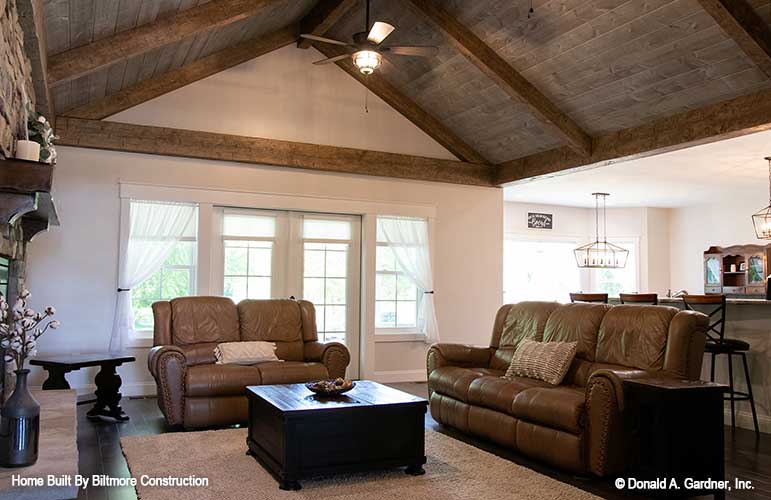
[
  {"x": 547, "y": 361},
  {"x": 245, "y": 353}
]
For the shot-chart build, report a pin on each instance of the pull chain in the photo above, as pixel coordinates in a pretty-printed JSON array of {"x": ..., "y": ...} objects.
[
  {"x": 531, "y": 11},
  {"x": 366, "y": 100}
]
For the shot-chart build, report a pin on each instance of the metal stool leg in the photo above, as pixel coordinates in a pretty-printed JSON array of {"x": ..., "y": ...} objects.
[
  {"x": 749, "y": 393},
  {"x": 712, "y": 371},
  {"x": 731, "y": 386}
]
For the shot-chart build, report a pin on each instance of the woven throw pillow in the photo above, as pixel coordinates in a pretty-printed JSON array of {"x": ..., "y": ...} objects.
[
  {"x": 547, "y": 361},
  {"x": 245, "y": 353}
]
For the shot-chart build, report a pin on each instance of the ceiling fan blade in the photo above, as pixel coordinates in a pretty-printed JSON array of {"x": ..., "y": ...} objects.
[
  {"x": 379, "y": 32},
  {"x": 333, "y": 59},
  {"x": 427, "y": 51},
  {"x": 324, "y": 40}
]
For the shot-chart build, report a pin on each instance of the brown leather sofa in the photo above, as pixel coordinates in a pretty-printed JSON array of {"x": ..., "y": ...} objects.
[
  {"x": 193, "y": 391},
  {"x": 579, "y": 425}
]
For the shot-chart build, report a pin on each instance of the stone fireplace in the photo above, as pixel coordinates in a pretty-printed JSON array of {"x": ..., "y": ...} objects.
[{"x": 26, "y": 203}]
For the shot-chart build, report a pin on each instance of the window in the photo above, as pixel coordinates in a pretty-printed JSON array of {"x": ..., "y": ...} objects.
[
  {"x": 398, "y": 300},
  {"x": 616, "y": 281},
  {"x": 176, "y": 278},
  {"x": 248, "y": 240},
  {"x": 326, "y": 245},
  {"x": 539, "y": 270}
]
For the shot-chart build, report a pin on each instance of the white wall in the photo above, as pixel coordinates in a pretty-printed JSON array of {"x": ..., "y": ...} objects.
[
  {"x": 649, "y": 226},
  {"x": 694, "y": 229},
  {"x": 282, "y": 96}
]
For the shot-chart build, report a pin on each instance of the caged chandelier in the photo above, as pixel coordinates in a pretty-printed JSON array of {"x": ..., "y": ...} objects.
[
  {"x": 600, "y": 253},
  {"x": 762, "y": 219}
]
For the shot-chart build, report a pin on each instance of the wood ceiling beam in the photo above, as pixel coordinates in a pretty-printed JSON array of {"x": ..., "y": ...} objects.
[
  {"x": 32, "y": 21},
  {"x": 81, "y": 61},
  {"x": 323, "y": 16},
  {"x": 505, "y": 76},
  {"x": 185, "y": 75},
  {"x": 125, "y": 137},
  {"x": 740, "y": 22},
  {"x": 733, "y": 118},
  {"x": 406, "y": 107}
]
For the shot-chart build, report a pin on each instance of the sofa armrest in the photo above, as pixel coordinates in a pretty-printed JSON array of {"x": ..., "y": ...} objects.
[
  {"x": 168, "y": 366},
  {"x": 606, "y": 436},
  {"x": 457, "y": 355},
  {"x": 333, "y": 355},
  {"x": 685, "y": 344}
]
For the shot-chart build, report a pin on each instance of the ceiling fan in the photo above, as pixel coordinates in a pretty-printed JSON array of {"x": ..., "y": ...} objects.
[{"x": 366, "y": 51}]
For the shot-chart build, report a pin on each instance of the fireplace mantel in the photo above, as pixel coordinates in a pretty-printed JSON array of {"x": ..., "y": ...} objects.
[{"x": 25, "y": 193}]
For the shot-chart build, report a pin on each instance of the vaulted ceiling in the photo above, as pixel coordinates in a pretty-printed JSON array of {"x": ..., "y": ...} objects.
[{"x": 506, "y": 88}]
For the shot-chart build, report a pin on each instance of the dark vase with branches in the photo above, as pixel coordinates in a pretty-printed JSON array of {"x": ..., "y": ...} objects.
[{"x": 20, "y": 328}]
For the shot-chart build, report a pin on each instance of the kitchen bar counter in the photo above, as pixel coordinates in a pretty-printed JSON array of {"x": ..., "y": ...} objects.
[
  {"x": 729, "y": 301},
  {"x": 748, "y": 320}
]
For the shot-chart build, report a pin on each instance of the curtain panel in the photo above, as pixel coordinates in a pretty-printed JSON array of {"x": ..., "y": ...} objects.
[
  {"x": 408, "y": 240},
  {"x": 154, "y": 229}
]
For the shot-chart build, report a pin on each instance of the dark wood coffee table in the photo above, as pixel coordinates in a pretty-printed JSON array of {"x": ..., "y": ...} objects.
[
  {"x": 107, "y": 381},
  {"x": 295, "y": 434}
]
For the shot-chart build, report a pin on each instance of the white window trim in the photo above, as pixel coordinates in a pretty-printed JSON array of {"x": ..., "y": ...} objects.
[{"x": 368, "y": 209}]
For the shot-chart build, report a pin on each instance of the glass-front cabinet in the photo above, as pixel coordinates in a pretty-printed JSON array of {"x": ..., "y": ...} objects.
[{"x": 738, "y": 270}]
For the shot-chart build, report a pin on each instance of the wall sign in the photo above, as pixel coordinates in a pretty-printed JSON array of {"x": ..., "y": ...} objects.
[{"x": 537, "y": 220}]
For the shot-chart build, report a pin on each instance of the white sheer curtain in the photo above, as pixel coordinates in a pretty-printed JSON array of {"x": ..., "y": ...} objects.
[
  {"x": 154, "y": 228},
  {"x": 408, "y": 240}
]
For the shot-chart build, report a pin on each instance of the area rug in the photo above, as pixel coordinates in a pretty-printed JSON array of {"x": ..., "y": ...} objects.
[{"x": 454, "y": 470}]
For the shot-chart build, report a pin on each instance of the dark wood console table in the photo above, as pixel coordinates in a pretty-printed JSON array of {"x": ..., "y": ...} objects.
[
  {"x": 677, "y": 432},
  {"x": 107, "y": 381}
]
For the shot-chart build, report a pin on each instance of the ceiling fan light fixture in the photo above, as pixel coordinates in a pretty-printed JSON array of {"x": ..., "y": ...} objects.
[{"x": 367, "y": 61}]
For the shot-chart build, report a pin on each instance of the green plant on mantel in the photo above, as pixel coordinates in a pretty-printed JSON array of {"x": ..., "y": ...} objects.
[{"x": 40, "y": 131}]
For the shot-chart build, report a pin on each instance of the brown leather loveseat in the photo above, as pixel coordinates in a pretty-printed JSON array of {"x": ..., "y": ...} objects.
[
  {"x": 193, "y": 391},
  {"x": 579, "y": 424}
]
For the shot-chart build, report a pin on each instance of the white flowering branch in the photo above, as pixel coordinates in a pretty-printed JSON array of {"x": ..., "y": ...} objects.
[{"x": 20, "y": 328}]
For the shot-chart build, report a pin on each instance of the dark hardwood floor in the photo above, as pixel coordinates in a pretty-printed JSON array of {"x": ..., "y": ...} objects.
[{"x": 100, "y": 452}]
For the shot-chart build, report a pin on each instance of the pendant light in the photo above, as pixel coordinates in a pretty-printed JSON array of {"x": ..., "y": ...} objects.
[
  {"x": 762, "y": 219},
  {"x": 600, "y": 253}
]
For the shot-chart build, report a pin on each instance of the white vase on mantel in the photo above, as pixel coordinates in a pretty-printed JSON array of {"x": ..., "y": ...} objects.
[{"x": 27, "y": 150}]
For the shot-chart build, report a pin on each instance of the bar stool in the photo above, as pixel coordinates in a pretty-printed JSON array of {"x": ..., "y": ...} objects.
[
  {"x": 639, "y": 298},
  {"x": 589, "y": 297},
  {"x": 717, "y": 344}
]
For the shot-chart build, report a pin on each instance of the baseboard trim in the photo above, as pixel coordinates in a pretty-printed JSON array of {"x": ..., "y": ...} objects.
[
  {"x": 127, "y": 390},
  {"x": 393, "y": 376},
  {"x": 744, "y": 420}
]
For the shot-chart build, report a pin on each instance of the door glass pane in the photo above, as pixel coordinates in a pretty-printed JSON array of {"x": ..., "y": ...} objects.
[
  {"x": 713, "y": 271},
  {"x": 755, "y": 269},
  {"x": 326, "y": 229},
  {"x": 248, "y": 269},
  {"x": 325, "y": 284},
  {"x": 247, "y": 225}
]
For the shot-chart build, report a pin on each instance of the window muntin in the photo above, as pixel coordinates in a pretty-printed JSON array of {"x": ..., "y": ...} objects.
[
  {"x": 397, "y": 299},
  {"x": 248, "y": 242}
]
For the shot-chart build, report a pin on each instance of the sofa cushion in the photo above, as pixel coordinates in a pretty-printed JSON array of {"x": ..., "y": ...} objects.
[
  {"x": 276, "y": 321},
  {"x": 291, "y": 372},
  {"x": 635, "y": 336},
  {"x": 576, "y": 323},
  {"x": 220, "y": 380},
  {"x": 525, "y": 320},
  {"x": 498, "y": 393},
  {"x": 556, "y": 407},
  {"x": 454, "y": 381},
  {"x": 203, "y": 319}
]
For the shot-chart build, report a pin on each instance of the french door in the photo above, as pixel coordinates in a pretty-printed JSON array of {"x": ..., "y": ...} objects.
[{"x": 262, "y": 254}]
